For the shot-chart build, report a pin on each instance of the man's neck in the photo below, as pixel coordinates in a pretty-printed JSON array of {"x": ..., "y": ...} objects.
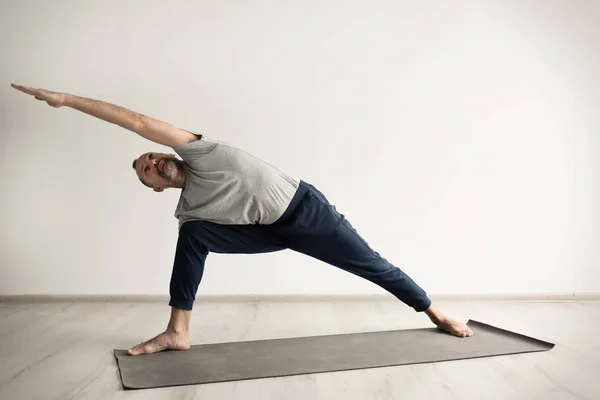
[{"x": 180, "y": 182}]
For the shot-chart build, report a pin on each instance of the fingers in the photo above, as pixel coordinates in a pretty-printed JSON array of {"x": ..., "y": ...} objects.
[
  {"x": 19, "y": 87},
  {"x": 26, "y": 89}
]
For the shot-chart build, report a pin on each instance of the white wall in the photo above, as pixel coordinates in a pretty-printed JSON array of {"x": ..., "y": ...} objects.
[{"x": 460, "y": 138}]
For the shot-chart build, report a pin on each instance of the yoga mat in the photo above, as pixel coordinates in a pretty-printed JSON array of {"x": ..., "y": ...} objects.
[{"x": 219, "y": 362}]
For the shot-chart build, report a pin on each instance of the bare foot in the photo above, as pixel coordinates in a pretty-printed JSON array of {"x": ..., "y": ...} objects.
[
  {"x": 454, "y": 327},
  {"x": 168, "y": 340}
]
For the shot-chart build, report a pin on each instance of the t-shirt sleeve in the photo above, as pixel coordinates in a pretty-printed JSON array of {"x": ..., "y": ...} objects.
[{"x": 191, "y": 152}]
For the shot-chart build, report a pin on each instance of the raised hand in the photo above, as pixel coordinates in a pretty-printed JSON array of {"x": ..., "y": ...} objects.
[{"x": 53, "y": 99}]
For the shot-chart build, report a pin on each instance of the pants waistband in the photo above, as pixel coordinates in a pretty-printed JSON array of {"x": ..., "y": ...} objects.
[{"x": 296, "y": 200}]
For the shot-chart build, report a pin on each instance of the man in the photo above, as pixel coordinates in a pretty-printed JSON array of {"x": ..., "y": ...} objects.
[{"x": 232, "y": 202}]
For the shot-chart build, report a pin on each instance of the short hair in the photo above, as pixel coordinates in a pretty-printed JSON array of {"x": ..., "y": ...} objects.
[{"x": 133, "y": 165}]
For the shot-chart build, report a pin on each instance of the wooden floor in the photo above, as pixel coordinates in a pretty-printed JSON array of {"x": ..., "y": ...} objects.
[{"x": 64, "y": 350}]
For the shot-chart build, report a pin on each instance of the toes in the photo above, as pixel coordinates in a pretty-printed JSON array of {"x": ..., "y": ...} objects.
[
  {"x": 457, "y": 329},
  {"x": 464, "y": 332},
  {"x": 152, "y": 346},
  {"x": 134, "y": 351}
]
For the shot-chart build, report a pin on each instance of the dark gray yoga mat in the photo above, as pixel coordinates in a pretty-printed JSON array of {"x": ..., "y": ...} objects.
[{"x": 221, "y": 362}]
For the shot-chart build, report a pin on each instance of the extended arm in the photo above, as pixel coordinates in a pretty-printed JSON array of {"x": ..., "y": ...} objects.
[{"x": 147, "y": 127}]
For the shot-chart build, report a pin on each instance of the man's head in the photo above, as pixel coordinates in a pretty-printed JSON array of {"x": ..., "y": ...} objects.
[{"x": 159, "y": 171}]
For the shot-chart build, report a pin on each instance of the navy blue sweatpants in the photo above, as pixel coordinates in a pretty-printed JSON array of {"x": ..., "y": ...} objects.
[{"x": 310, "y": 225}]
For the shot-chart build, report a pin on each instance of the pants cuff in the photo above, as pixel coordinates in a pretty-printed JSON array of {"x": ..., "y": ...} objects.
[
  {"x": 423, "y": 305},
  {"x": 182, "y": 304}
]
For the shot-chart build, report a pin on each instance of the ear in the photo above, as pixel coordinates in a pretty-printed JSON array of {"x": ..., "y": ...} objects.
[{"x": 159, "y": 189}]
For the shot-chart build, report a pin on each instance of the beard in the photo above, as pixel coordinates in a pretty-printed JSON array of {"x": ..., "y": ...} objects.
[{"x": 171, "y": 169}]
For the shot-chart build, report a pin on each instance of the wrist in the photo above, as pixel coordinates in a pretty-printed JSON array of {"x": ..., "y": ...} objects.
[{"x": 68, "y": 100}]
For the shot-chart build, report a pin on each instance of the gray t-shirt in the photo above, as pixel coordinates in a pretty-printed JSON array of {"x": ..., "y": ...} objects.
[{"x": 226, "y": 185}]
